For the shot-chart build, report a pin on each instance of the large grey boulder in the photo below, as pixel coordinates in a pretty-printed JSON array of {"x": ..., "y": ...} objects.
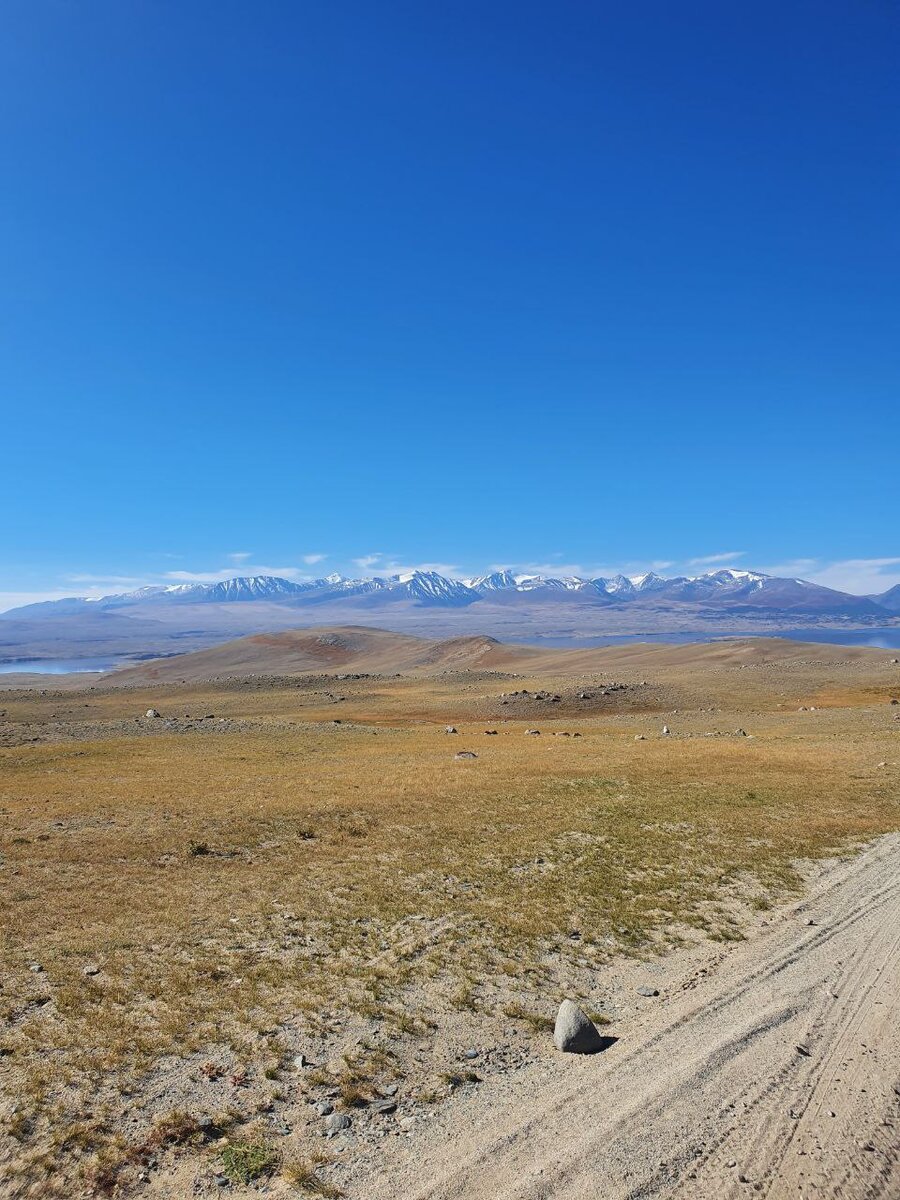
[{"x": 575, "y": 1032}]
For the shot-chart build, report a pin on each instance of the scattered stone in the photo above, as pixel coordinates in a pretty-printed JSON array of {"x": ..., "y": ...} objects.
[
  {"x": 804, "y": 1050},
  {"x": 324, "y": 1109},
  {"x": 336, "y": 1123},
  {"x": 470, "y": 1054},
  {"x": 300, "y": 1061},
  {"x": 450, "y": 729},
  {"x": 36, "y": 968},
  {"x": 383, "y": 1107},
  {"x": 90, "y": 969},
  {"x": 407, "y": 1124},
  {"x": 740, "y": 733},
  {"x": 152, "y": 713},
  {"x": 665, "y": 730},
  {"x": 465, "y": 754},
  {"x": 639, "y": 737},
  {"x": 584, "y": 696},
  {"x": 647, "y": 991},
  {"x": 490, "y": 733},
  {"x": 533, "y": 732},
  {"x": 390, "y": 1089},
  {"x": 575, "y": 1032}
]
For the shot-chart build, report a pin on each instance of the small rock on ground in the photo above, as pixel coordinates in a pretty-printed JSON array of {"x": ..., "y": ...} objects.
[{"x": 575, "y": 1032}]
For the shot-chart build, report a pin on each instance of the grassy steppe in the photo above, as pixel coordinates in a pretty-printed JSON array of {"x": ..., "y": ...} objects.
[{"x": 239, "y": 891}]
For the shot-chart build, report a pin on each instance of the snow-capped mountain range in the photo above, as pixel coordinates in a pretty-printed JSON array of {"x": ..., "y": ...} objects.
[{"x": 735, "y": 590}]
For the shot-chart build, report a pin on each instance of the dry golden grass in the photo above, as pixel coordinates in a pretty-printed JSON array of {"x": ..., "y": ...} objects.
[{"x": 361, "y": 870}]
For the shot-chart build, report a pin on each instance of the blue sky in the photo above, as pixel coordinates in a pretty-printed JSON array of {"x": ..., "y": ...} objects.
[{"x": 583, "y": 286}]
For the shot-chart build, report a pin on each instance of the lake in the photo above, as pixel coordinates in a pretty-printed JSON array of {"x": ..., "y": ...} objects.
[
  {"x": 58, "y": 666},
  {"x": 882, "y": 638}
]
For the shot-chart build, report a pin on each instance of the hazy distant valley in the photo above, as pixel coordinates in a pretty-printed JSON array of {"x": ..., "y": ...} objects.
[{"x": 170, "y": 619}]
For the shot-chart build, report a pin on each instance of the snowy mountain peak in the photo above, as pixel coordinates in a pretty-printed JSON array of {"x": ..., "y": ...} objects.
[
  {"x": 726, "y": 588},
  {"x": 496, "y": 582},
  {"x": 432, "y": 588},
  {"x": 730, "y": 575}
]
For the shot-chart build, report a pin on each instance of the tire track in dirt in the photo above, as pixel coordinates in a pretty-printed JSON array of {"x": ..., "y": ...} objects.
[{"x": 726, "y": 1089}]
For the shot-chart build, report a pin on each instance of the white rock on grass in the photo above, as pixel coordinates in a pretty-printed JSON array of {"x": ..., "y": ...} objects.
[{"x": 575, "y": 1032}]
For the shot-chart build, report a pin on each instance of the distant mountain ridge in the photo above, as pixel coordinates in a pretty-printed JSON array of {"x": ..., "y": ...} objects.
[
  {"x": 726, "y": 589},
  {"x": 166, "y": 619}
]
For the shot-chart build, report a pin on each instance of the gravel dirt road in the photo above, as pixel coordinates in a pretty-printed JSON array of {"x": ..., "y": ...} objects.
[{"x": 777, "y": 1074}]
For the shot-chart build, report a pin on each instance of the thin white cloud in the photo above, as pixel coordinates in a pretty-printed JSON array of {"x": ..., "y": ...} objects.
[
  {"x": 859, "y": 576},
  {"x": 239, "y": 556},
  {"x": 709, "y": 560},
  {"x": 108, "y": 581},
  {"x": 367, "y": 561},
  {"x": 312, "y": 559},
  {"x": 294, "y": 573}
]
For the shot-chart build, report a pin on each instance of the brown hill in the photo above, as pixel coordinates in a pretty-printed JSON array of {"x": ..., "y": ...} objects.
[{"x": 360, "y": 649}]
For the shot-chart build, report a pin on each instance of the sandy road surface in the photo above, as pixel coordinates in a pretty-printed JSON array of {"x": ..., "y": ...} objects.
[{"x": 776, "y": 1075}]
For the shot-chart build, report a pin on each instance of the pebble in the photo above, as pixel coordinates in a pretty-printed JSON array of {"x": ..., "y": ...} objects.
[
  {"x": 648, "y": 991},
  {"x": 324, "y": 1109},
  {"x": 90, "y": 969}
]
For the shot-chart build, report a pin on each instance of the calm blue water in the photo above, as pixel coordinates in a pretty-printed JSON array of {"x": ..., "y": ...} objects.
[
  {"x": 57, "y": 666},
  {"x": 887, "y": 638}
]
